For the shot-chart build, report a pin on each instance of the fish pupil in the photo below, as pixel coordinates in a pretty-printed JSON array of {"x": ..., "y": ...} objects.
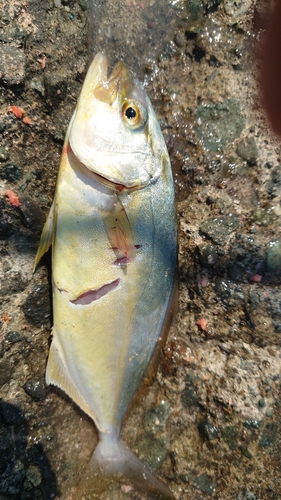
[{"x": 131, "y": 113}]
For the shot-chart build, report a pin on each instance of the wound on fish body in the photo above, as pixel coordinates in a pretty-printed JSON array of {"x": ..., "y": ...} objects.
[{"x": 112, "y": 227}]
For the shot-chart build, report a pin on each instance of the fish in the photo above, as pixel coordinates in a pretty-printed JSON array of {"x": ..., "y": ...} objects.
[{"x": 113, "y": 231}]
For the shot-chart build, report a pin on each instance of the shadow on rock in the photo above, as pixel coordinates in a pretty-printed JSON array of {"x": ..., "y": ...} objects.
[{"x": 25, "y": 472}]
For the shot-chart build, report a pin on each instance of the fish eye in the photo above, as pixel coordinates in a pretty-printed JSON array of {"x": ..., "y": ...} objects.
[{"x": 134, "y": 114}]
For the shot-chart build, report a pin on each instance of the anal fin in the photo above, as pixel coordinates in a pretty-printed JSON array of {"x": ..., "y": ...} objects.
[{"x": 57, "y": 374}]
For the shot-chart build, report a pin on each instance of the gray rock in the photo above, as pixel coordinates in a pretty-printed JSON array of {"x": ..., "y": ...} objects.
[
  {"x": 218, "y": 228},
  {"x": 246, "y": 495},
  {"x": 219, "y": 124},
  {"x": 207, "y": 429},
  {"x": 155, "y": 418},
  {"x": 152, "y": 451},
  {"x": 269, "y": 435},
  {"x": 13, "y": 337},
  {"x": 274, "y": 184},
  {"x": 55, "y": 88},
  {"x": 247, "y": 150},
  {"x": 12, "y": 65},
  {"x": 12, "y": 478},
  {"x": 230, "y": 435}
]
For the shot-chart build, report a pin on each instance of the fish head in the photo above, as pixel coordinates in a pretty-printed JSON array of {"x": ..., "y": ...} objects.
[{"x": 114, "y": 132}]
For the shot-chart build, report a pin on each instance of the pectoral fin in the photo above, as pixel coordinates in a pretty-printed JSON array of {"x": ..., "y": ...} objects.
[
  {"x": 119, "y": 231},
  {"x": 46, "y": 236}
]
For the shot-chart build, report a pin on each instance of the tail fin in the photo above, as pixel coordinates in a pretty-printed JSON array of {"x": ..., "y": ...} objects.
[{"x": 111, "y": 462}]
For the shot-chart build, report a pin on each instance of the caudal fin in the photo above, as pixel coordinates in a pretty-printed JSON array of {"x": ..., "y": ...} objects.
[{"x": 111, "y": 462}]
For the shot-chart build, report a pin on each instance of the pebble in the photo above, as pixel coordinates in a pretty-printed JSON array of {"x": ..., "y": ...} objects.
[
  {"x": 219, "y": 228},
  {"x": 11, "y": 480},
  {"x": 35, "y": 387},
  {"x": 274, "y": 184},
  {"x": 207, "y": 429},
  {"x": 269, "y": 435},
  {"x": 247, "y": 150},
  {"x": 13, "y": 337},
  {"x": 12, "y": 65},
  {"x": 246, "y": 495},
  {"x": 55, "y": 88},
  {"x": 32, "y": 214},
  {"x": 11, "y": 172},
  {"x": 219, "y": 124},
  {"x": 189, "y": 394},
  {"x": 4, "y": 155}
]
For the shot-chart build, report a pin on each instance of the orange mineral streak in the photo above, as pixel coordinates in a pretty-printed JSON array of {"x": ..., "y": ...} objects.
[
  {"x": 12, "y": 198},
  {"x": 18, "y": 112}
]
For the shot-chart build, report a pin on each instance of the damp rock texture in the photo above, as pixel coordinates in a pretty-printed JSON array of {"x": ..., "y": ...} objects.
[{"x": 210, "y": 423}]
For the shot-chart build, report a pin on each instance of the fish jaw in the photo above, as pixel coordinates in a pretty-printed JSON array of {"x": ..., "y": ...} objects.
[{"x": 123, "y": 156}]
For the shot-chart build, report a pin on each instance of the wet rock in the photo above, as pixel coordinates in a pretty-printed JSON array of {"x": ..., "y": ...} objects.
[
  {"x": 218, "y": 228},
  {"x": 11, "y": 172},
  {"x": 13, "y": 337},
  {"x": 269, "y": 435},
  {"x": 247, "y": 150},
  {"x": 207, "y": 429},
  {"x": 230, "y": 435},
  {"x": 36, "y": 307},
  {"x": 12, "y": 65},
  {"x": 11, "y": 480},
  {"x": 219, "y": 124},
  {"x": 55, "y": 88},
  {"x": 6, "y": 371},
  {"x": 208, "y": 256},
  {"x": 35, "y": 387},
  {"x": 273, "y": 258},
  {"x": 155, "y": 418},
  {"x": 4, "y": 155},
  {"x": 205, "y": 483},
  {"x": 152, "y": 451},
  {"x": 211, "y": 5}
]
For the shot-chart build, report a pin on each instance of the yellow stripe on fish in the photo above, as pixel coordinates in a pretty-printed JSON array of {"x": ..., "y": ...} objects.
[{"x": 113, "y": 230}]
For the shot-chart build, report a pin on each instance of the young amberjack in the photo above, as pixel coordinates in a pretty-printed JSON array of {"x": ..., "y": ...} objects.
[{"x": 112, "y": 227}]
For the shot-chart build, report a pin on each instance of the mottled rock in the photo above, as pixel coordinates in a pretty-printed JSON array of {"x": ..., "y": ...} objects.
[
  {"x": 12, "y": 65},
  {"x": 207, "y": 429},
  {"x": 219, "y": 228},
  {"x": 6, "y": 371},
  {"x": 35, "y": 387},
  {"x": 11, "y": 480},
  {"x": 252, "y": 423},
  {"x": 33, "y": 476},
  {"x": 230, "y": 435},
  {"x": 208, "y": 256},
  {"x": 219, "y": 124},
  {"x": 211, "y": 5},
  {"x": 264, "y": 216},
  {"x": 205, "y": 483},
  {"x": 152, "y": 451},
  {"x": 246, "y": 495},
  {"x": 4, "y": 155},
  {"x": 237, "y": 8},
  {"x": 189, "y": 395},
  {"x": 269, "y": 435},
  {"x": 37, "y": 304},
  {"x": 11, "y": 172},
  {"x": 13, "y": 337},
  {"x": 247, "y": 150},
  {"x": 31, "y": 212},
  {"x": 274, "y": 184},
  {"x": 55, "y": 88},
  {"x": 155, "y": 418}
]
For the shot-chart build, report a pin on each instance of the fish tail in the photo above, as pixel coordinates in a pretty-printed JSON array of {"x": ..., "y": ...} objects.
[{"x": 112, "y": 461}]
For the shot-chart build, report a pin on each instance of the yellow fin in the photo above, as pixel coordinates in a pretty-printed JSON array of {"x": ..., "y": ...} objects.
[
  {"x": 46, "y": 236},
  {"x": 57, "y": 374},
  {"x": 119, "y": 231}
]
